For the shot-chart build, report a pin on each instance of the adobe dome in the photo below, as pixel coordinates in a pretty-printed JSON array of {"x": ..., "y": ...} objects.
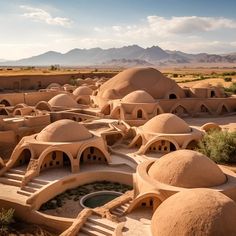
[
  {"x": 83, "y": 90},
  {"x": 202, "y": 85},
  {"x": 187, "y": 169},
  {"x": 138, "y": 96},
  {"x": 167, "y": 123},
  {"x": 195, "y": 212},
  {"x": 62, "y": 100},
  {"x": 64, "y": 131},
  {"x": 148, "y": 79},
  {"x": 54, "y": 85}
]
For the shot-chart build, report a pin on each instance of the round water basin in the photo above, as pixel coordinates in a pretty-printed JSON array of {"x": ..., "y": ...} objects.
[{"x": 98, "y": 199}]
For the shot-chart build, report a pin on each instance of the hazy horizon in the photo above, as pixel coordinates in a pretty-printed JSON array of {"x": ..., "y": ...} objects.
[{"x": 31, "y": 27}]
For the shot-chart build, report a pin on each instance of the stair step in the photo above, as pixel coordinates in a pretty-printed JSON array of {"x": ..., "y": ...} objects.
[
  {"x": 17, "y": 171},
  {"x": 39, "y": 181},
  {"x": 9, "y": 181},
  {"x": 35, "y": 185},
  {"x": 101, "y": 229},
  {"x": 29, "y": 189},
  {"x": 102, "y": 222},
  {"x": 117, "y": 213},
  {"x": 24, "y": 193},
  {"x": 91, "y": 232},
  {"x": 13, "y": 176},
  {"x": 121, "y": 211}
]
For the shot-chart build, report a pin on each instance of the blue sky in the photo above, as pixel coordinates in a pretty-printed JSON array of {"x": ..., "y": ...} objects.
[{"x": 30, "y": 27}]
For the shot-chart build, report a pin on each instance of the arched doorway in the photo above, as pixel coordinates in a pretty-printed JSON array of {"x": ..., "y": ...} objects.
[
  {"x": 5, "y": 103},
  {"x": 213, "y": 94},
  {"x": 204, "y": 109},
  {"x": 56, "y": 159},
  {"x": 139, "y": 114},
  {"x": 92, "y": 155},
  {"x": 161, "y": 146},
  {"x": 3, "y": 112},
  {"x": 24, "y": 158},
  {"x": 172, "y": 96},
  {"x": 180, "y": 111},
  {"x": 107, "y": 110},
  {"x": 224, "y": 110}
]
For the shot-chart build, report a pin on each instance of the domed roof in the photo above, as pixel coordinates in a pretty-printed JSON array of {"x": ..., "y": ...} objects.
[
  {"x": 54, "y": 85},
  {"x": 195, "y": 212},
  {"x": 138, "y": 96},
  {"x": 187, "y": 169},
  {"x": 64, "y": 131},
  {"x": 166, "y": 123},
  {"x": 82, "y": 90},
  {"x": 148, "y": 79},
  {"x": 62, "y": 100},
  {"x": 202, "y": 85}
]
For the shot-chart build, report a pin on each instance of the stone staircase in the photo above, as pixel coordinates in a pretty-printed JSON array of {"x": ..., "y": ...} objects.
[
  {"x": 120, "y": 210},
  {"x": 14, "y": 177},
  {"x": 96, "y": 226}
]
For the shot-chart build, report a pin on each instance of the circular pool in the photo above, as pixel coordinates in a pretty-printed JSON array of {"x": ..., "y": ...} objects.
[{"x": 97, "y": 199}]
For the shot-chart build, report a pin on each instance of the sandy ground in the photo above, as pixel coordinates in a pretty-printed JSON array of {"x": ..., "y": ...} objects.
[{"x": 138, "y": 222}]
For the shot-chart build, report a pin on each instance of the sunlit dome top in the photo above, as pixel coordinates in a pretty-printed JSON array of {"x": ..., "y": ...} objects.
[
  {"x": 195, "y": 212},
  {"x": 188, "y": 169},
  {"x": 166, "y": 123},
  {"x": 64, "y": 131},
  {"x": 62, "y": 100}
]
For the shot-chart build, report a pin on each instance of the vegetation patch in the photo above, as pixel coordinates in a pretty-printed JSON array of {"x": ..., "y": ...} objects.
[
  {"x": 14, "y": 227},
  {"x": 220, "y": 146},
  {"x": 76, "y": 193}
]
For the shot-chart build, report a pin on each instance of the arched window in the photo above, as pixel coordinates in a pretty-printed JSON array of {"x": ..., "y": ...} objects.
[
  {"x": 5, "y": 102},
  {"x": 213, "y": 94},
  {"x": 139, "y": 114},
  {"x": 172, "y": 96}
]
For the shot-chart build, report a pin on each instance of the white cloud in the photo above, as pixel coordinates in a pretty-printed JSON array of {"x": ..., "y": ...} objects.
[
  {"x": 189, "y": 24},
  {"x": 40, "y": 15}
]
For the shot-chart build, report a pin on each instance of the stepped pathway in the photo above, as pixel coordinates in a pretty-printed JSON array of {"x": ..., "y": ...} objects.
[
  {"x": 96, "y": 226},
  {"x": 120, "y": 210},
  {"x": 14, "y": 177}
]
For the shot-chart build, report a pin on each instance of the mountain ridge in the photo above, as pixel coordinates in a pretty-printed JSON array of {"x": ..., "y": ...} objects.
[{"x": 133, "y": 54}]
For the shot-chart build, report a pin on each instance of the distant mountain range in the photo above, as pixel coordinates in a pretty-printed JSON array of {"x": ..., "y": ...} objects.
[{"x": 125, "y": 56}]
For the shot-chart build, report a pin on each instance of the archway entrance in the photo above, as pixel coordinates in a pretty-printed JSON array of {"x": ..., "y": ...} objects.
[
  {"x": 24, "y": 158},
  {"x": 161, "y": 146},
  {"x": 92, "y": 155},
  {"x": 172, "y": 96},
  {"x": 5, "y": 103},
  {"x": 139, "y": 114},
  {"x": 56, "y": 159}
]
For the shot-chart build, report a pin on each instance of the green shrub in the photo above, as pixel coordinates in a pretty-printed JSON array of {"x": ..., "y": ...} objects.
[
  {"x": 220, "y": 146},
  {"x": 175, "y": 75},
  {"x": 227, "y": 79},
  {"x": 6, "y": 218},
  {"x": 231, "y": 89}
]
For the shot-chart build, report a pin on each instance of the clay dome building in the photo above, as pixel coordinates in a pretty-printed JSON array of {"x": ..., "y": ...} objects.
[
  {"x": 64, "y": 131},
  {"x": 164, "y": 133},
  {"x": 136, "y": 108},
  {"x": 156, "y": 180},
  {"x": 82, "y": 94},
  {"x": 148, "y": 79},
  {"x": 201, "y": 100},
  {"x": 195, "y": 212},
  {"x": 138, "y": 96},
  {"x": 206, "y": 90},
  {"x": 189, "y": 169},
  {"x": 63, "y": 100},
  {"x": 62, "y": 144}
]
